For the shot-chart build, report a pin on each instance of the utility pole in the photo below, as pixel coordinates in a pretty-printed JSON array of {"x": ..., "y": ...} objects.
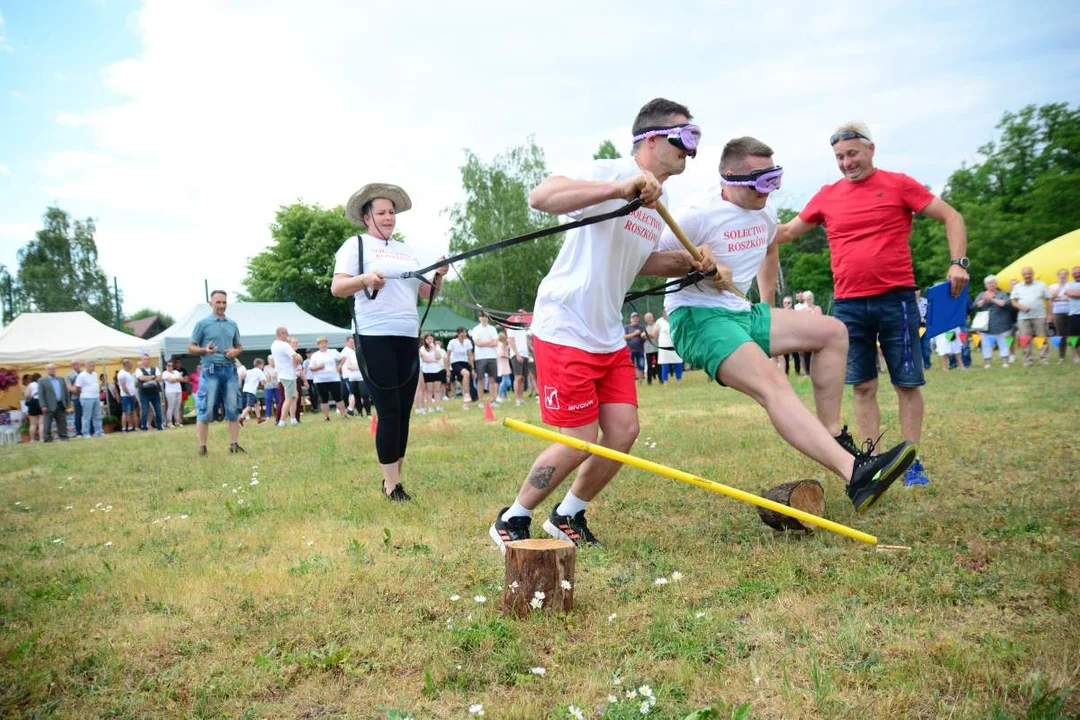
[
  {"x": 116, "y": 299},
  {"x": 206, "y": 290}
]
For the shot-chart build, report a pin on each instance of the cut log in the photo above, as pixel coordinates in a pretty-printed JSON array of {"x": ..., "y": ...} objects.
[
  {"x": 805, "y": 495},
  {"x": 539, "y": 577}
]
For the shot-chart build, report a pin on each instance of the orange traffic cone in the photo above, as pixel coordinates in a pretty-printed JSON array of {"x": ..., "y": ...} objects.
[
  {"x": 374, "y": 425},
  {"x": 489, "y": 414}
]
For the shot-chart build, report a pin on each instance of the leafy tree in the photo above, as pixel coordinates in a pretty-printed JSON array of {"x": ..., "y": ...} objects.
[
  {"x": 496, "y": 207},
  {"x": 12, "y": 300},
  {"x": 299, "y": 265},
  {"x": 607, "y": 151},
  {"x": 165, "y": 318},
  {"x": 59, "y": 272}
]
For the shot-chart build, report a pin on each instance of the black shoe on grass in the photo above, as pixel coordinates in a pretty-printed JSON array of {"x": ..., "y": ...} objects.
[
  {"x": 873, "y": 474},
  {"x": 504, "y": 531},
  {"x": 202, "y": 451},
  {"x": 235, "y": 449},
  {"x": 572, "y": 528},
  {"x": 398, "y": 494}
]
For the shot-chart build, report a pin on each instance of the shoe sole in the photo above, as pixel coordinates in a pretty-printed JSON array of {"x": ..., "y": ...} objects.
[
  {"x": 900, "y": 465},
  {"x": 555, "y": 532},
  {"x": 499, "y": 543}
]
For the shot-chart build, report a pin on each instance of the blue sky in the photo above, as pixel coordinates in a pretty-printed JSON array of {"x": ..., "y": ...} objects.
[{"x": 181, "y": 126}]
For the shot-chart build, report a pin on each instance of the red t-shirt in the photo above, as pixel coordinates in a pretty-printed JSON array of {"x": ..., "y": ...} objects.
[{"x": 869, "y": 225}]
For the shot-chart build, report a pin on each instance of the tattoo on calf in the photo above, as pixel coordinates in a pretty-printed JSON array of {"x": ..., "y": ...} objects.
[{"x": 540, "y": 477}]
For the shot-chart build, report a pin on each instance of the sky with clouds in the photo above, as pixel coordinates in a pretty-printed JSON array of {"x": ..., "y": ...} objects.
[{"x": 182, "y": 126}]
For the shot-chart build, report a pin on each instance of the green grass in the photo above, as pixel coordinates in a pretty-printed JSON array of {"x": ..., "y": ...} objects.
[{"x": 308, "y": 595}]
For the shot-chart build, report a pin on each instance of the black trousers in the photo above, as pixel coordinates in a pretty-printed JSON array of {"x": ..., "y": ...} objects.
[{"x": 391, "y": 367}]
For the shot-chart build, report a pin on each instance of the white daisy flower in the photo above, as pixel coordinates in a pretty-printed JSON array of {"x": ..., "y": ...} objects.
[
  {"x": 108, "y": 544},
  {"x": 480, "y": 599},
  {"x": 699, "y": 615},
  {"x": 538, "y": 671},
  {"x": 612, "y": 699},
  {"x": 660, "y": 581},
  {"x": 253, "y": 482},
  {"x": 565, "y": 584},
  {"x": 611, "y": 617},
  {"x": 455, "y": 598},
  {"x": 645, "y": 691},
  {"x": 536, "y": 603},
  {"x": 676, "y": 576},
  {"x": 539, "y": 595},
  {"x": 476, "y": 710},
  {"x": 576, "y": 712}
]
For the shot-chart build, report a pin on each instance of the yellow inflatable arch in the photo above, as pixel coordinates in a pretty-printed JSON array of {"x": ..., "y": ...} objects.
[{"x": 1045, "y": 260}]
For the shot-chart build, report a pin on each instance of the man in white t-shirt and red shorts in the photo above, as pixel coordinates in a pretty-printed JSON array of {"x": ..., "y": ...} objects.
[
  {"x": 733, "y": 340},
  {"x": 584, "y": 375}
]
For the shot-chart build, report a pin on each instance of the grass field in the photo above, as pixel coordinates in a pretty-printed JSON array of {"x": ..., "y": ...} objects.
[{"x": 139, "y": 581}]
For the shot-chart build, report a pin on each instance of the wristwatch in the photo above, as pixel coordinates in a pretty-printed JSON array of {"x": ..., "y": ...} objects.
[{"x": 961, "y": 261}]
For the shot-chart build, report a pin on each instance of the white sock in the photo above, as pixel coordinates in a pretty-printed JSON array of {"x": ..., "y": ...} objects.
[
  {"x": 571, "y": 505},
  {"x": 516, "y": 510}
]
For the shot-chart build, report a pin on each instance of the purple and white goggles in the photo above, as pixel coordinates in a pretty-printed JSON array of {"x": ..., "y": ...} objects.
[
  {"x": 685, "y": 137},
  {"x": 766, "y": 180}
]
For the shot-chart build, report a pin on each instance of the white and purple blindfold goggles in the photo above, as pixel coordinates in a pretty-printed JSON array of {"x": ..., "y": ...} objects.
[
  {"x": 766, "y": 180},
  {"x": 685, "y": 137}
]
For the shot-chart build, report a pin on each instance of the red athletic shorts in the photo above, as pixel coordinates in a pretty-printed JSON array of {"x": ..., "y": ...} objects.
[{"x": 574, "y": 383}]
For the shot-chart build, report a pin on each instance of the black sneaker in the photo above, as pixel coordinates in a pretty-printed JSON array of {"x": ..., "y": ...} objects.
[
  {"x": 398, "y": 494},
  {"x": 873, "y": 474},
  {"x": 235, "y": 449},
  {"x": 572, "y": 528},
  {"x": 847, "y": 442},
  {"x": 202, "y": 451},
  {"x": 504, "y": 531}
]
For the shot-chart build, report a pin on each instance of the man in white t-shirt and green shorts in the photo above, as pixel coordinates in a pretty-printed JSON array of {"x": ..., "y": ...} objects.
[
  {"x": 733, "y": 340},
  {"x": 584, "y": 374}
]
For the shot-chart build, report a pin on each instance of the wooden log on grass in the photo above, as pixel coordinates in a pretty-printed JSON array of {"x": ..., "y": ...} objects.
[
  {"x": 805, "y": 495},
  {"x": 539, "y": 577}
]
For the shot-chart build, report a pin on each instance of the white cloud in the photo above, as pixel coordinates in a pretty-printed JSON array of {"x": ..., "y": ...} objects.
[
  {"x": 5, "y": 171},
  {"x": 4, "y": 46},
  {"x": 231, "y": 109}
]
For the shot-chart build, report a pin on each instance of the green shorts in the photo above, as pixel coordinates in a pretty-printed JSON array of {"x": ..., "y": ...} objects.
[{"x": 706, "y": 336}]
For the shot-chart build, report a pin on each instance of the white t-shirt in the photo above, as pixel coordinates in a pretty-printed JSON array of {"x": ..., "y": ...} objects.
[
  {"x": 432, "y": 361},
  {"x": 89, "y": 387},
  {"x": 328, "y": 359},
  {"x": 393, "y": 311},
  {"x": 459, "y": 351},
  {"x": 32, "y": 391},
  {"x": 352, "y": 367},
  {"x": 1074, "y": 303},
  {"x": 126, "y": 382},
  {"x": 282, "y": 353},
  {"x": 579, "y": 303},
  {"x": 172, "y": 382},
  {"x": 663, "y": 339},
  {"x": 739, "y": 239},
  {"x": 270, "y": 377},
  {"x": 521, "y": 341},
  {"x": 1033, "y": 296},
  {"x": 1059, "y": 301},
  {"x": 252, "y": 379},
  {"x": 481, "y": 333}
]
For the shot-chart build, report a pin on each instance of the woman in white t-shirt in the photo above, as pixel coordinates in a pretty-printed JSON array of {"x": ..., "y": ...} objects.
[
  {"x": 32, "y": 397},
  {"x": 359, "y": 397},
  {"x": 1059, "y": 310},
  {"x": 174, "y": 391},
  {"x": 384, "y": 317},
  {"x": 271, "y": 397},
  {"x": 323, "y": 367},
  {"x": 669, "y": 361},
  {"x": 433, "y": 366}
]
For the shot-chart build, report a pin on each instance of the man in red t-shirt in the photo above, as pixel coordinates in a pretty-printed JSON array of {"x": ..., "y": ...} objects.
[{"x": 867, "y": 216}]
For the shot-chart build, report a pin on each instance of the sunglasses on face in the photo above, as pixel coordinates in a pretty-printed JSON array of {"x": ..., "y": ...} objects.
[
  {"x": 685, "y": 137},
  {"x": 847, "y": 135},
  {"x": 766, "y": 180}
]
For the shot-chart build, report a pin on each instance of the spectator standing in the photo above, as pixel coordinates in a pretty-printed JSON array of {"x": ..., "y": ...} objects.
[
  {"x": 216, "y": 338},
  {"x": 359, "y": 398},
  {"x": 271, "y": 394},
  {"x": 670, "y": 362},
  {"x": 652, "y": 349},
  {"x": 946, "y": 346},
  {"x": 250, "y": 389},
  {"x": 433, "y": 367},
  {"x": 74, "y": 394},
  {"x": 634, "y": 334},
  {"x": 1030, "y": 298},
  {"x": 148, "y": 380},
  {"x": 90, "y": 398},
  {"x": 520, "y": 361},
  {"x": 286, "y": 361},
  {"x": 125, "y": 386},
  {"x": 1072, "y": 291},
  {"x": 808, "y": 306},
  {"x": 485, "y": 338},
  {"x": 506, "y": 374},
  {"x": 1059, "y": 308},
  {"x": 460, "y": 356},
  {"x": 31, "y": 394},
  {"x": 999, "y": 323},
  {"x": 174, "y": 392},
  {"x": 54, "y": 401},
  {"x": 324, "y": 369}
]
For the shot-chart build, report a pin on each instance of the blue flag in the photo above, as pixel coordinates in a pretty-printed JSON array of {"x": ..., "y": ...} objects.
[{"x": 945, "y": 312}]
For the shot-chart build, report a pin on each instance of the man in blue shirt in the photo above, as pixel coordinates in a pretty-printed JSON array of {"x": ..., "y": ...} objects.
[{"x": 217, "y": 339}]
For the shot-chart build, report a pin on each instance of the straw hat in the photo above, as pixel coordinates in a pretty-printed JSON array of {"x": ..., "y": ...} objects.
[{"x": 369, "y": 192}]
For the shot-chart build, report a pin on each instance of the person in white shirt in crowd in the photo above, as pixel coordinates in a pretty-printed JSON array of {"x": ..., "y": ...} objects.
[
  {"x": 76, "y": 368},
  {"x": 385, "y": 319},
  {"x": 652, "y": 350},
  {"x": 459, "y": 357},
  {"x": 521, "y": 362},
  {"x": 324, "y": 367},
  {"x": 285, "y": 361},
  {"x": 32, "y": 398},
  {"x": 271, "y": 397},
  {"x": 174, "y": 391},
  {"x": 125, "y": 383},
  {"x": 1072, "y": 291},
  {"x": 1059, "y": 308},
  {"x": 1030, "y": 298},
  {"x": 89, "y": 388},
  {"x": 254, "y": 378},
  {"x": 506, "y": 375},
  {"x": 671, "y": 365},
  {"x": 584, "y": 372},
  {"x": 485, "y": 338},
  {"x": 433, "y": 367},
  {"x": 359, "y": 398},
  {"x": 946, "y": 346}
]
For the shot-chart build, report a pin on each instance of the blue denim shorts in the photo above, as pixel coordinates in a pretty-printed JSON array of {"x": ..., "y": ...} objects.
[
  {"x": 638, "y": 358},
  {"x": 218, "y": 383},
  {"x": 891, "y": 319},
  {"x": 127, "y": 403}
]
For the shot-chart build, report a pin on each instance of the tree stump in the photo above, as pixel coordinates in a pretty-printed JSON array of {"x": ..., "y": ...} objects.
[
  {"x": 539, "y": 577},
  {"x": 805, "y": 495}
]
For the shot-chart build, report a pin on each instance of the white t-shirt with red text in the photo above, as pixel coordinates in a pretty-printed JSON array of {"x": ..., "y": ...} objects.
[
  {"x": 579, "y": 303},
  {"x": 739, "y": 239},
  {"x": 393, "y": 311}
]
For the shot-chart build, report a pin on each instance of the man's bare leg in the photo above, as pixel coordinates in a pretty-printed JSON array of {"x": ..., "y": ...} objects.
[
  {"x": 619, "y": 423},
  {"x": 911, "y": 413},
  {"x": 826, "y": 337},
  {"x": 867, "y": 414}
]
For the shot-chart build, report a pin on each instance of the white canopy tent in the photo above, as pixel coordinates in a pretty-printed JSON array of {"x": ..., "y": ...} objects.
[
  {"x": 64, "y": 336},
  {"x": 258, "y": 322}
]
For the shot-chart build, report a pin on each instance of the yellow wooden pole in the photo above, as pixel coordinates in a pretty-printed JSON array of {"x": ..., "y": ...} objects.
[{"x": 545, "y": 434}]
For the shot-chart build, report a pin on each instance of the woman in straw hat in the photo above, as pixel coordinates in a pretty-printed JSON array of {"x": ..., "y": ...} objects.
[{"x": 384, "y": 317}]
